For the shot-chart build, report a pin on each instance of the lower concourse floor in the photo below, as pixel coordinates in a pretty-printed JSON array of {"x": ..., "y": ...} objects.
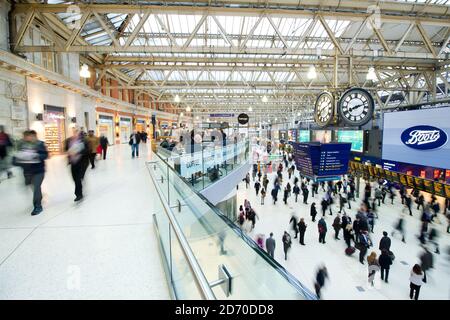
[
  {"x": 348, "y": 279},
  {"x": 101, "y": 248}
]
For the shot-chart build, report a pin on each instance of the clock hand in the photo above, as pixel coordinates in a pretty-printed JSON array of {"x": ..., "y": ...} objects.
[{"x": 355, "y": 107}]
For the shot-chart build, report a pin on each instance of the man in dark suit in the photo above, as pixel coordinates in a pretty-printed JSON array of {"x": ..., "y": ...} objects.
[{"x": 270, "y": 245}]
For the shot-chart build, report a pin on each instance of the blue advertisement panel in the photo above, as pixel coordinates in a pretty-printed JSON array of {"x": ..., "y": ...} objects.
[
  {"x": 418, "y": 137},
  {"x": 355, "y": 137}
]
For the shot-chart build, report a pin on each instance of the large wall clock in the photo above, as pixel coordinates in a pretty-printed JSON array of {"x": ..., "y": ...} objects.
[
  {"x": 324, "y": 109},
  {"x": 356, "y": 107}
]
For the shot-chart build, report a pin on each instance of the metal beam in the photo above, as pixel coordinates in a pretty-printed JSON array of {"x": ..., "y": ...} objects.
[
  {"x": 426, "y": 39},
  {"x": 138, "y": 27},
  {"x": 76, "y": 31},
  {"x": 23, "y": 28}
]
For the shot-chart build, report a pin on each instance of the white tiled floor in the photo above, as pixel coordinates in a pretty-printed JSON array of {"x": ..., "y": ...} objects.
[
  {"x": 101, "y": 248},
  {"x": 346, "y": 273}
]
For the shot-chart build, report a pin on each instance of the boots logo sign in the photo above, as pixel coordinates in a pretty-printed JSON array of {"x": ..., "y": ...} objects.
[{"x": 424, "y": 137}]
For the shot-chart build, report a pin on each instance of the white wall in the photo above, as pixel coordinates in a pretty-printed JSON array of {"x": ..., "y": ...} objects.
[
  {"x": 40, "y": 93},
  {"x": 12, "y": 95}
]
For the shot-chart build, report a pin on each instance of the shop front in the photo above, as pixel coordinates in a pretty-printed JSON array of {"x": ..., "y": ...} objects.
[
  {"x": 140, "y": 125},
  {"x": 125, "y": 129},
  {"x": 106, "y": 127},
  {"x": 54, "y": 128}
]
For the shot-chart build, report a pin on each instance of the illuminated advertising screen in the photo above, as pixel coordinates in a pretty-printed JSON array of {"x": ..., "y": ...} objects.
[
  {"x": 418, "y": 137},
  {"x": 303, "y": 136},
  {"x": 292, "y": 135},
  {"x": 355, "y": 137},
  {"x": 322, "y": 136}
]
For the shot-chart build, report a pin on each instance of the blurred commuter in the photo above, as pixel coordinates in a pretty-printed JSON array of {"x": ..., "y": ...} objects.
[
  {"x": 257, "y": 187},
  {"x": 78, "y": 153},
  {"x": 286, "y": 243},
  {"x": 285, "y": 195},
  {"x": 400, "y": 228},
  {"x": 337, "y": 226},
  {"x": 416, "y": 281},
  {"x": 305, "y": 193},
  {"x": 270, "y": 245},
  {"x": 93, "y": 143},
  {"x": 426, "y": 262},
  {"x": 348, "y": 235},
  {"x": 294, "y": 222},
  {"x": 363, "y": 245},
  {"x": 385, "y": 262},
  {"x": 5, "y": 144},
  {"x": 247, "y": 180},
  {"x": 302, "y": 229},
  {"x": 30, "y": 156},
  {"x": 321, "y": 276},
  {"x": 313, "y": 211},
  {"x": 135, "y": 140},
  {"x": 104, "y": 143},
  {"x": 263, "y": 195},
  {"x": 373, "y": 266},
  {"x": 296, "y": 191},
  {"x": 322, "y": 228},
  {"x": 408, "y": 203}
]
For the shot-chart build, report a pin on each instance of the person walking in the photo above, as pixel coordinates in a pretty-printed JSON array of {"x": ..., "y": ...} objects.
[
  {"x": 321, "y": 276},
  {"x": 286, "y": 243},
  {"x": 385, "y": 262},
  {"x": 313, "y": 211},
  {"x": 337, "y": 226},
  {"x": 93, "y": 143},
  {"x": 385, "y": 242},
  {"x": 302, "y": 229},
  {"x": 373, "y": 266},
  {"x": 270, "y": 245},
  {"x": 324, "y": 205},
  {"x": 296, "y": 191},
  {"x": 322, "y": 228},
  {"x": 263, "y": 195},
  {"x": 78, "y": 153},
  {"x": 415, "y": 282},
  {"x": 265, "y": 181},
  {"x": 408, "y": 203},
  {"x": 257, "y": 187},
  {"x": 294, "y": 222},
  {"x": 286, "y": 195},
  {"x": 426, "y": 262},
  {"x": 305, "y": 193},
  {"x": 5, "y": 144},
  {"x": 400, "y": 228},
  {"x": 104, "y": 143},
  {"x": 342, "y": 202},
  {"x": 247, "y": 180},
  {"x": 31, "y": 156},
  {"x": 135, "y": 139},
  {"x": 363, "y": 245},
  {"x": 274, "y": 194}
]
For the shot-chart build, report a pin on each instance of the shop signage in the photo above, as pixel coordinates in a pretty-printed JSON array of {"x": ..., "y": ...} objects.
[
  {"x": 424, "y": 137},
  {"x": 243, "y": 118}
]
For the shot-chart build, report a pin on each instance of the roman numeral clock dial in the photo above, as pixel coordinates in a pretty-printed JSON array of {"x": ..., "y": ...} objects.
[
  {"x": 324, "y": 109},
  {"x": 356, "y": 107}
]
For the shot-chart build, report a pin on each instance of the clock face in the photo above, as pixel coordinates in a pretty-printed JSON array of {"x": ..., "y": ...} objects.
[
  {"x": 324, "y": 108},
  {"x": 356, "y": 107}
]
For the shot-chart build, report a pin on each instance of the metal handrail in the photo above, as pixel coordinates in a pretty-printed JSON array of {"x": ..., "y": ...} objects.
[
  {"x": 284, "y": 273},
  {"x": 200, "y": 280}
]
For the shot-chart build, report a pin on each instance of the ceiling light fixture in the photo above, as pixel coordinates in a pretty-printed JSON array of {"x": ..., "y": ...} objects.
[
  {"x": 371, "y": 75},
  {"x": 177, "y": 99},
  {"x": 250, "y": 109},
  {"x": 188, "y": 109},
  {"x": 181, "y": 114},
  {"x": 312, "y": 74},
  {"x": 84, "y": 71},
  {"x": 264, "y": 99}
]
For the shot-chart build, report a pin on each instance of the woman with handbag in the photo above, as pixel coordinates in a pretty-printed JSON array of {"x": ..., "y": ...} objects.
[{"x": 416, "y": 281}]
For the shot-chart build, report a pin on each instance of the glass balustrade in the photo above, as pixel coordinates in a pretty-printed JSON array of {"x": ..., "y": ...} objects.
[{"x": 205, "y": 240}]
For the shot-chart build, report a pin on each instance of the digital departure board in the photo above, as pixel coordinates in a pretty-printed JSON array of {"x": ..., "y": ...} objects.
[
  {"x": 439, "y": 189},
  {"x": 419, "y": 184},
  {"x": 334, "y": 159},
  {"x": 428, "y": 186},
  {"x": 403, "y": 180},
  {"x": 447, "y": 190},
  {"x": 315, "y": 159},
  {"x": 371, "y": 171},
  {"x": 394, "y": 176},
  {"x": 410, "y": 182}
]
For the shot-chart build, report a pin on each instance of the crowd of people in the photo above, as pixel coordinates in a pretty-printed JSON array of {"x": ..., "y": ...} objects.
[
  {"x": 81, "y": 148},
  {"x": 357, "y": 230}
]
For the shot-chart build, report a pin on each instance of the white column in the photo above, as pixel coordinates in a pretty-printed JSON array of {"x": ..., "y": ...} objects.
[{"x": 4, "y": 25}]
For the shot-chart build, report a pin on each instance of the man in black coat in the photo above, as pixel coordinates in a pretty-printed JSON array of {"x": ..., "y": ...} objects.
[
  {"x": 78, "y": 152},
  {"x": 385, "y": 242},
  {"x": 31, "y": 156}
]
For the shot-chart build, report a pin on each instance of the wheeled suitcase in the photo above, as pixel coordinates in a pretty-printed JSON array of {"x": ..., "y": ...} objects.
[{"x": 349, "y": 251}]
